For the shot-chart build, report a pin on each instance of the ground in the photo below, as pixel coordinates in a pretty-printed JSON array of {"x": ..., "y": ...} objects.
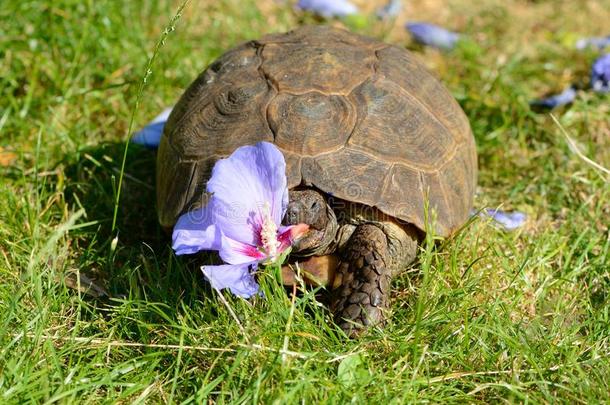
[{"x": 94, "y": 311}]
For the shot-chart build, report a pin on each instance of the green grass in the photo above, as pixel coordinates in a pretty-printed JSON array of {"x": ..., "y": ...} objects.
[{"x": 488, "y": 316}]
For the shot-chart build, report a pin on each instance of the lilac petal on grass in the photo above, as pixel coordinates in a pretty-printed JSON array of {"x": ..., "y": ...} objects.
[
  {"x": 391, "y": 9},
  {"x": 556, "y": 100},
  {"x": 150, "y": 135},
  {"x": 507, "y": 220},
  {"x": 328, "y": 8},
  {"x": 600, "y": 74},
  {"x": 236, "y": 278},
  {"x": 432, "y": 35},
  {"x": 593, "y": 42}
]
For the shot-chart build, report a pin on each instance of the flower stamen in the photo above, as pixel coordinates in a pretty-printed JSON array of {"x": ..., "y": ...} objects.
[{"x": 270, "y": 243}]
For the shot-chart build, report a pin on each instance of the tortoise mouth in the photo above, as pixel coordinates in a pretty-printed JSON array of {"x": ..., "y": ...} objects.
[
  {"x": 317, "y": 242},
  {"x": 307, "y": 244}
]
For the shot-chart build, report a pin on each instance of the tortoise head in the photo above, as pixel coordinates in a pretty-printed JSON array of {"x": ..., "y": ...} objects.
[{"x": 309, "y": 207}]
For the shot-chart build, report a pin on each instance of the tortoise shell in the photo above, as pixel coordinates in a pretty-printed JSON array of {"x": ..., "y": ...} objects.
[{"x": 354, "y": 117}]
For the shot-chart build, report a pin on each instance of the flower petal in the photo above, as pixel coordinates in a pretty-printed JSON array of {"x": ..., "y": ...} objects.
[
  {"x": 150, "y": 135},
  {"x": 286, "y": 235},
  {"x": 328, "y": 8},
  {"x": 236, "y": 278},
  {"x": 563, "y": 98},
  {"x": 509, "y": 220},
  {"x": 252, "y": 178},
  {"x": 235, "y": 252},
  {"x": 195, "y": 231},
  {"x": 432, "y": 35},
  {"x": 594, "y": 42},
  {"x": 600, "y": 74}
]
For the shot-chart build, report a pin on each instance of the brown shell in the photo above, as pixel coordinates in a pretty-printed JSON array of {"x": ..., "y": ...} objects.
[{"x": 354, "y": 117}]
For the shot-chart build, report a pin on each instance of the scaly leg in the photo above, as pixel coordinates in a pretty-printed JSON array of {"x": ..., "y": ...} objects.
[{"x": 364, "y": 273}]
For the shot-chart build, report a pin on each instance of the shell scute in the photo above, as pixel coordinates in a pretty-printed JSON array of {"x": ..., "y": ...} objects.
[
  {"x": 397, "y": 127},
  {"x": 404, "y": 69},
  {"x": 348, "y": 174},
  {"x": 311, "y": 123},
  {"x": 328, "y": 68}
]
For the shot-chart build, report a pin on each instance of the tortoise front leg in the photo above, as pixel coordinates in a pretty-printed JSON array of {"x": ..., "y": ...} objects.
[
  {"x": 316, "y": 270},
  {"x": 363, "y": 281}
]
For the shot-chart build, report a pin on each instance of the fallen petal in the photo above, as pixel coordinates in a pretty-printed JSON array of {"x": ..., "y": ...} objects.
[
  {"x": 600, "y": 74},
  {"x": 507, "y": 220},
  {"x": 391, "y": 9},
  {"x": 563, "y": 98},
  {"x": 593, "y": 42},
  {"x": 237, "y": 278},
  {"x": 150, "y": 135},
  {"x": 328, "y": 8},
  {"x": 432, "y": 35}
]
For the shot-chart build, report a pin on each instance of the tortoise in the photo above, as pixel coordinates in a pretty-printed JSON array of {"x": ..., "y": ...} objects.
[{"x": 370, "y": 138}]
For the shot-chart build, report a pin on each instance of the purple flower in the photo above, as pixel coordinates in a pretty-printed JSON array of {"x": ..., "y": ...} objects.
[
  {"x": 507, "y": 220},
  {"x": 432, "y": 35},
  {"x": 600, "y": 74},
  {"x": 241, "y": 219},
  {"x": 594, "y": 42},
  {"x": 391, "y": 9},
  {"x": 150, "y": 135},
  {"x": 556, "y": 100},
  {"x": 328, "y": 8}
]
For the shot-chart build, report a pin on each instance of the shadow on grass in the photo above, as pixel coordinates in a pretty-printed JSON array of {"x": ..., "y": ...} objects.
[
  {"x": 92, "y": 183},
  {"x": 143, "y": 267}
]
